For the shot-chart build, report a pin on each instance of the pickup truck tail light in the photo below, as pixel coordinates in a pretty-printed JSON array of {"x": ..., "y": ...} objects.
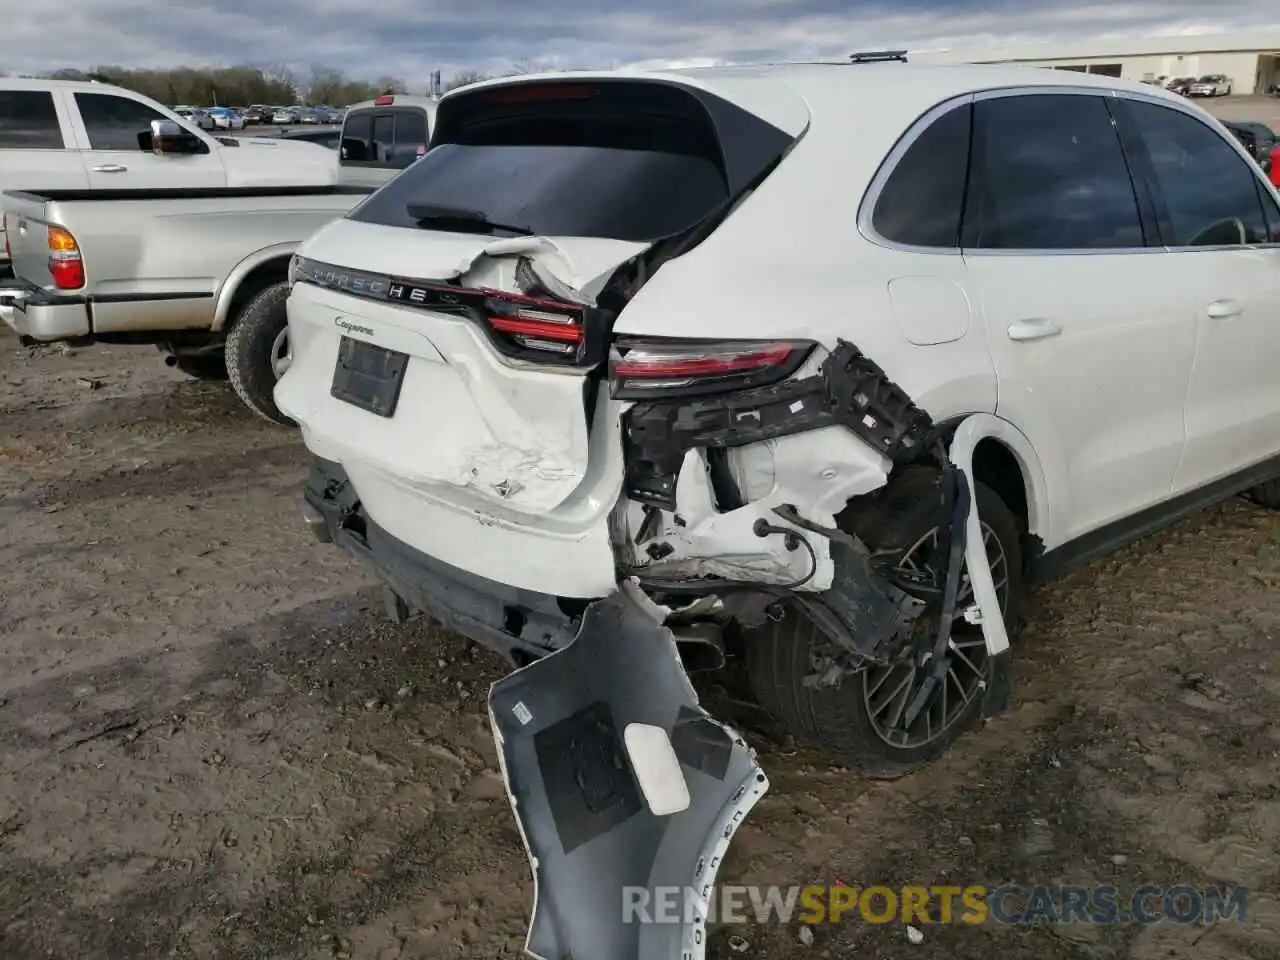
[
  {"x": 652, "y": 367},
  {"x": 65, "y": 264}
]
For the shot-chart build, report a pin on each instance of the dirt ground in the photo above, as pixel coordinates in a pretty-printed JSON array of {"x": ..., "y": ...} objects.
[{"x": 213, "y": 745}]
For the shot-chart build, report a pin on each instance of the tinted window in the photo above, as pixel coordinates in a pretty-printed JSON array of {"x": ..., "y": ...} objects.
[
  {"x": 114, "y": 123},
  {"x": 1208, "y": 189},
  {"x": 387, "y": 138},
  {"x": 638, "y": 165},
  {"x": 922, "y": 200},
  {"x": 1049, "y": 174},
  {"x": 29, "y": 121},
  {"x": 357, "y": 135}
]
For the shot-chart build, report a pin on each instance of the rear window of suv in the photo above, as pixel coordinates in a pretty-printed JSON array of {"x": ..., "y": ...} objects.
[{"x": 629, "y": 161}]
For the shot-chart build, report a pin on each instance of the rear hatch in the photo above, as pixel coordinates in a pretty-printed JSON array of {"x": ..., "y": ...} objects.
[{"x": 450, "y": 334}]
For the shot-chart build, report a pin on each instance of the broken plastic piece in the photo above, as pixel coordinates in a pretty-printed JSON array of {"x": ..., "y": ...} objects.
[
  {"x": 585, "y": 807},
  {"x": 850, "y": 390},
  {"x": 968, "y": 434}
]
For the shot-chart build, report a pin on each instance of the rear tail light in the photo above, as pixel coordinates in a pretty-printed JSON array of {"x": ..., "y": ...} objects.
[
  {"x": 542, "y": 327},
  {"x": 385, "y": 100},
  {"x": 642, "y": 368},
  {"x": 65, "y": 264}
]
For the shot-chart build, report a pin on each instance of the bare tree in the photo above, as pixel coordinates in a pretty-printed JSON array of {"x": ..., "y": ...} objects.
[
  {"x": 465, "y": 78},
  {"x": 391, "y": 85}
]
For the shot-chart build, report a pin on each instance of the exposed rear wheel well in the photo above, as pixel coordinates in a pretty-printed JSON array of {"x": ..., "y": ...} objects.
[
  {"x": 995, "y": 466},
  {"x": 254, "y": 282}
]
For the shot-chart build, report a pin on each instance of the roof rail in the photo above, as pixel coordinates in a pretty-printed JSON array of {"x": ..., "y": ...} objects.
[{"x": 878, "y": 56}]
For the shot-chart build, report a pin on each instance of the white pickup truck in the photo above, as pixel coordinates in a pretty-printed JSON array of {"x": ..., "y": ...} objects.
[
  {"x": 199, "y": 272},
  {"x": 65, "y": 135}
]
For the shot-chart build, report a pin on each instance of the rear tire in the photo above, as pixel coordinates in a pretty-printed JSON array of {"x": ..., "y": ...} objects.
[
  {"x": 1266, "y": 494},
  {"x": 252, "y": 351},
  {"x": 839, "y": 719}
]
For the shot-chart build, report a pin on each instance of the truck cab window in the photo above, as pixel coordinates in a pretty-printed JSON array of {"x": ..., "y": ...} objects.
[
  {"x": 388, "y": 138},
  {"x": 29, "y": 121},
  {"x": 114, "y": 123}
]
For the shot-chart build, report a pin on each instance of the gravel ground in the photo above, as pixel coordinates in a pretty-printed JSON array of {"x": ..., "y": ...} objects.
[{"x": 212, "y": 744}]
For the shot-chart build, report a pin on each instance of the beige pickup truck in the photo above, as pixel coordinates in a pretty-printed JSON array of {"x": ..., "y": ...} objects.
[{"x": 200, "y": 273}]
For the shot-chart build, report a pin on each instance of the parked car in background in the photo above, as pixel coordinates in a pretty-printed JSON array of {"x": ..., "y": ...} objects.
[
  {"x": 203, "y": 278},
  {"x": 310, "y": 116},
  {"x": 64, "y": 135},
  {"x": 1180, "y": 85},
  {"x": 227, "y": 118},
  {"x": 285, "y": 115},
  {"x": 196, "y": 116},
  {"x": 1211, "y": 85},
  {"x": 1259, "y": 137},
  {"x": 257, "y": 114},
  {"x": 381, "y": 137}
]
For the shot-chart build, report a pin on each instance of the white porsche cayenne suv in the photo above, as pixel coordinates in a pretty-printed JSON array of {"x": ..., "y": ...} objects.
[{"x": 761, "y": 349}]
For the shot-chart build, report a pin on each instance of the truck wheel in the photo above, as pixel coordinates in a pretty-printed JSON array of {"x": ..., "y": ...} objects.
[
  {"x": 257, "y": 351},
  {"x": 202, "y": 368},
  {"x": 855, "y": 721},
  {"x": 1266, "y": 494}
]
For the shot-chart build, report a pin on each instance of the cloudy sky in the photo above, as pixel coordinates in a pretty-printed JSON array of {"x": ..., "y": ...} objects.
[{"x": 408, "y": 38}]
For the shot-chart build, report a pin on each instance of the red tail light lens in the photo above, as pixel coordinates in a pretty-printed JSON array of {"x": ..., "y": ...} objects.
[
  {"x": 650, "y": 367},
  {"x": 385, "y": 100},
  {"x": 65, "y": 265},
  {"x": 540, "y": 326}
]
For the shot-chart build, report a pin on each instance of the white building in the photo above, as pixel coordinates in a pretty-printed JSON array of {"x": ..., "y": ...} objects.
[{"x": 1250, "y": 60}]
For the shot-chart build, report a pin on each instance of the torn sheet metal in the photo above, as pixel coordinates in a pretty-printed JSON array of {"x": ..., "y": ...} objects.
[
  {"x": 819, "y": 471},
  {"x": 586, "y": 737},
  {"x": 511, "y": 263}
]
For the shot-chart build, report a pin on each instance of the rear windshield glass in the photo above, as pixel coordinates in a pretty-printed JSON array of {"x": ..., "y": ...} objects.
[{"x": 613, "y": 162}]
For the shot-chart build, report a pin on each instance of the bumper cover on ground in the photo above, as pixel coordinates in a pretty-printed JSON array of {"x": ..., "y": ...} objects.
[{"x": 594, "y": 843}]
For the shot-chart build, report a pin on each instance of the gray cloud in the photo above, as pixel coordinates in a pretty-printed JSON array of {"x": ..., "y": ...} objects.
[{"x": 409, "y": 38}]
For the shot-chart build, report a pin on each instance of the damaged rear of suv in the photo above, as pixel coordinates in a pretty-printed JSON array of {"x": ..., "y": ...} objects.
[{"x": 596, "y": 379}]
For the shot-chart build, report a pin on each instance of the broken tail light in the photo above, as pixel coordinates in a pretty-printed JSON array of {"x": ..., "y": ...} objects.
[
  {"x": 540, "y": 326},
  {"x": 645, "y": 368},
  {"x": 66, "y": 266}
]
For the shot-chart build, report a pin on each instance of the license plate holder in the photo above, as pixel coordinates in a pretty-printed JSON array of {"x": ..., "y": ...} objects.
[{"x": 368, "y": 376}]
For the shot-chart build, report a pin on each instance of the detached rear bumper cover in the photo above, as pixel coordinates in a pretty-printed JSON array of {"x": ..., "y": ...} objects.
[{"x": 565, "y": 726}]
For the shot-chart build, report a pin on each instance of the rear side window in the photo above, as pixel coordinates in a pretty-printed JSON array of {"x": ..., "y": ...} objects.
[
  {"x": 114, "y": 123},
  {"x": 1209, "y": 192},
  {"x": 29, "y": 121},
  {"x": 922, "y": 201},
  {"x": 389, "y": 138},
  {"x": 625, "y": 160},
  {"x": 1049, "y": 174}
]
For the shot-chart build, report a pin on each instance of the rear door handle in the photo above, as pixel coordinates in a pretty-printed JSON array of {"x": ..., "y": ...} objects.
[
  {"x": 110, "y": 168},
  {"x": 1037, "y": 328},
  {"x": 1223, "y": 309}
]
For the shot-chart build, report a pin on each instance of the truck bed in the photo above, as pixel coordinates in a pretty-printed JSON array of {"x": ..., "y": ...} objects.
[{"x": 155, "y": 259}]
